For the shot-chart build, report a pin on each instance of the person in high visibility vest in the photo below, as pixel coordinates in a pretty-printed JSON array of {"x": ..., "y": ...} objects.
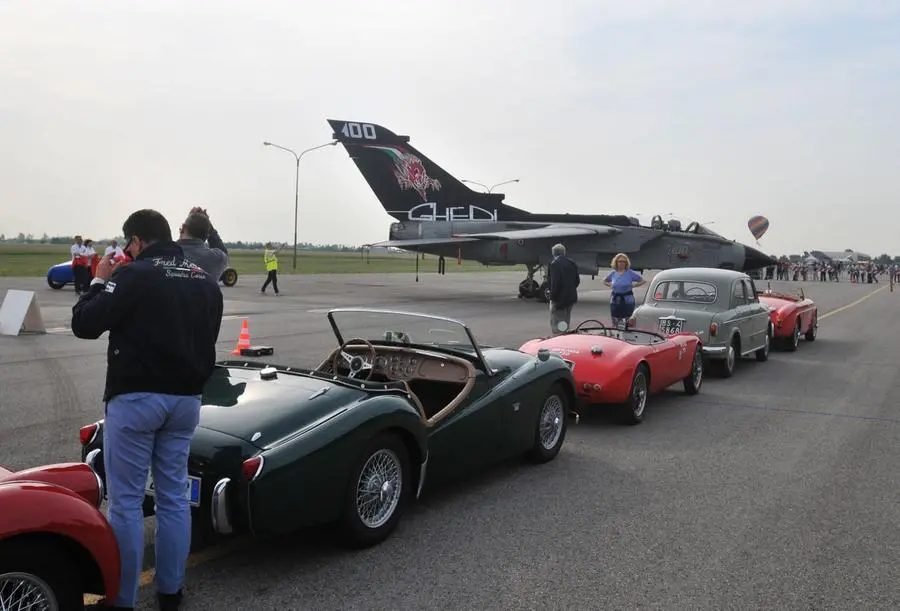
[{"x": 270, "y": 256}]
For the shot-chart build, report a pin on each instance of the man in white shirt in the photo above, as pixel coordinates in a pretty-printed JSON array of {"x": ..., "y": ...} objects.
[
  {"x": 81, "y": 271},
  {"x": 114, "y": 249}
]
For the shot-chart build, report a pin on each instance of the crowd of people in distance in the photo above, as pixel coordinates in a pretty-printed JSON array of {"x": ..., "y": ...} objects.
[
  {"x": 858, "y": 272},
  {"x": 85, "y": 260}
]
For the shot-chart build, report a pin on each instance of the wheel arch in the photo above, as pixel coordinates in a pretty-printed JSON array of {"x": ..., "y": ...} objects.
[
  {"x": 415, "y": 451},
  {"x": 736, "y": 335},
  {"x": 568, "y": 386},
  {"x": 78, "y": 557},
  {"x": 646, "y": 365}
]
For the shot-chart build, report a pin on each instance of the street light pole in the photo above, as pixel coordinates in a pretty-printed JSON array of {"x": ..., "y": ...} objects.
[
  {"x": 297, "y": 183},
  {"x": 490, "y": 189}
]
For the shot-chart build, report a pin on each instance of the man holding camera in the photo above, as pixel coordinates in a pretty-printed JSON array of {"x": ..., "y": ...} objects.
[{"x": 195, "y": 232}]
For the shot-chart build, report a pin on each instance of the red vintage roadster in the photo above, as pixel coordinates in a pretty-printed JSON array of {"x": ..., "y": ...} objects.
[
  {"x": 624, "y": 367},
  {"x": 791, "y": 316},
  {"x": 55, "y": 546}
]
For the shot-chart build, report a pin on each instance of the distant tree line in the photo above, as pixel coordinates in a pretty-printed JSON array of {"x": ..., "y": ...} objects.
[
  {"x": 241, "y": 245},
  {"x": 23, "y": 238}
]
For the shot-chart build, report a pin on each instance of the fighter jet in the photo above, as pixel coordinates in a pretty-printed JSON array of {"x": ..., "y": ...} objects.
[{"x": 438, "y": 214}]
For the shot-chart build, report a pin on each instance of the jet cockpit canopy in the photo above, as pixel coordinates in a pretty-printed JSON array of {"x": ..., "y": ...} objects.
[
  {"x": 675, "y": 225},
  {"x": 695, "y": 227}
]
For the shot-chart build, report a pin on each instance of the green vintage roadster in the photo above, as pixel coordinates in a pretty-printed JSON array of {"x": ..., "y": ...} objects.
[{"x": 405, "y": 400}]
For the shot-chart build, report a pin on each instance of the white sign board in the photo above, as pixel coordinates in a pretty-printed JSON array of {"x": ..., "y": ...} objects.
[{"x": 20, "y": 313}]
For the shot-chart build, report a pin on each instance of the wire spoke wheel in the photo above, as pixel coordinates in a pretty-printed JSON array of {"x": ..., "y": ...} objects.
[
  {"x": 26, "y": 591},
  {"x": 379, "y": 488},
  {"x": 698, "y": 368},
  {"x": 639, "y": 394},
  {"x": 551, "y": 423}
]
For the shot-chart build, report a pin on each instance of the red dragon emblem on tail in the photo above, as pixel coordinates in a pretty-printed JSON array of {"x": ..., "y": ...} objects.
[{"x": 411, "y": 174}]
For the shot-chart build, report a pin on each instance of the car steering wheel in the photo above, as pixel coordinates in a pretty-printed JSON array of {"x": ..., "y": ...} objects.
[
  {"x": 696, "y": 290},
  {"x": 601, "y": 325},
  {"x": 356, "y": 363}
]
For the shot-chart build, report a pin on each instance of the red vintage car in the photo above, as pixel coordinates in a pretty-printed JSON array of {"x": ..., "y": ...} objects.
[
  {"x": 624, "y": 367},
  {"x": 791, "y": 316},
  {"x": 55, "y": 545}
]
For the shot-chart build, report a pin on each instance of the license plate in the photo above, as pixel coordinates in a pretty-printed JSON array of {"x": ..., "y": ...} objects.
[
  {"x": 192, "y": 494},
  {"x": 671, "y": 325}
]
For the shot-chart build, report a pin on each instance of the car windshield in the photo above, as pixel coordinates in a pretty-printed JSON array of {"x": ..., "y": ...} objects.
[
  {"x": 404, "y": 328},
  {"x": 691, "y": 291}
]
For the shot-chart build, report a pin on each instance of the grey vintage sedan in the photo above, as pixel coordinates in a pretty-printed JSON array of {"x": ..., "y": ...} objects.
[{"x": 721, "y": 306}]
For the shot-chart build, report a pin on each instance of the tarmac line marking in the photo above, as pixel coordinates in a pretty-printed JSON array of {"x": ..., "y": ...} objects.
[
  {"x": 201, "y": 557},
  {"x": 852, "y": 303},
  {"x": 193, "y": 560}
]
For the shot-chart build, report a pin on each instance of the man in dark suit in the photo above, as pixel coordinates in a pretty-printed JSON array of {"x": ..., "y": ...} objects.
[{"x": 564, "y": 280}]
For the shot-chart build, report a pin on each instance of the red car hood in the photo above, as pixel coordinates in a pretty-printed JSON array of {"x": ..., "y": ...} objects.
[
  {"x": 782, "y": 301},
  {"x": 576, "y": 347}
]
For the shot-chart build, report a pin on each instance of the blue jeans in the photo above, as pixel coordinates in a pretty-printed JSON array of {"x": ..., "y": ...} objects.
[
  {"x": 621, "y": 308},
  {"x": 145, "y": 431}
]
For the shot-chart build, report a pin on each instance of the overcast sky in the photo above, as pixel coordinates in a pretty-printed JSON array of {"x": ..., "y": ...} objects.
[{"x": 714, "y": 110}]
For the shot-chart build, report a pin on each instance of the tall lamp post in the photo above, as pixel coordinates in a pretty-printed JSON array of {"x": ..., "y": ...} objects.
[
  {"x": 297, "y": 183},
  {"x": 490, "y": 189}
]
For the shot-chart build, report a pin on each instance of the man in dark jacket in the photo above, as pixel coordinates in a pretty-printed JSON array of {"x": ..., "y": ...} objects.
[
  {"x": 163, "y": 315},
  {"x": 564, "y": 280},
  {"x": 196, "y": 231}
]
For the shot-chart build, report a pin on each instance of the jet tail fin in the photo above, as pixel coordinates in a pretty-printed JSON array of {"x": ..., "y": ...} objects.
[{"x": 409, "y": 185}]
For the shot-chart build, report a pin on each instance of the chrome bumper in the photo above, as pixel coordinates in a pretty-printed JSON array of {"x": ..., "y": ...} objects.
[
  {"x": 218, "y": 502},
  {"x": 218, "y": 507},
  {"x": 91, "y": 461},
  {"x": 715, "y": 351}
]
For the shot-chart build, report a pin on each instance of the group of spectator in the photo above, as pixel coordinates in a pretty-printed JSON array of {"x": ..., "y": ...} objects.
[
  {"x": 858, "y": 272},
  {"x": 85, "y": 260},
  {"x": 198, "y": 238}
]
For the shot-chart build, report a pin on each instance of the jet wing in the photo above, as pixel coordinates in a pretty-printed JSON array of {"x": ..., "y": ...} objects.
[
  {"x": 548, "y": 232},
  {"x": 422, "y": 242}
]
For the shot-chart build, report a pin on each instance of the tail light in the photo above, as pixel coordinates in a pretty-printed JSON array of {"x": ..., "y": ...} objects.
[
  {"x": 88, "y": 433},
  {"x": 713, "y": 328},
  {"x": 630, "y": 323},
  {"x": 252, "y": 467}
]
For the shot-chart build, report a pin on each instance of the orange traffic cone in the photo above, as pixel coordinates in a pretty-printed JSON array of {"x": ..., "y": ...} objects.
[{"x": 243, "y": 339}]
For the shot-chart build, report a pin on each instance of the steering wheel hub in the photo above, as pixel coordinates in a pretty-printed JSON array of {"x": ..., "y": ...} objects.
[{"x": 354, "y": 362}]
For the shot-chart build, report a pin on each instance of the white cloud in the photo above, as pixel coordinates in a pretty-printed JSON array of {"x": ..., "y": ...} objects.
[{"x": 713, "y": 110}]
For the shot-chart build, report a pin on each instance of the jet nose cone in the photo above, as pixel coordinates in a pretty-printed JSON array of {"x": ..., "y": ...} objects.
[{"x": 754, "y": 259}]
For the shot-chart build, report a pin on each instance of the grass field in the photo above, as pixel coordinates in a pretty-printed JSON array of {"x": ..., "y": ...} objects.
[{"x": 33, "y": 260}]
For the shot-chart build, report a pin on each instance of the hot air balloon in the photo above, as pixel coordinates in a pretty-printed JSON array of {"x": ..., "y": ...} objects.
[{"x": 758, "y": 226}]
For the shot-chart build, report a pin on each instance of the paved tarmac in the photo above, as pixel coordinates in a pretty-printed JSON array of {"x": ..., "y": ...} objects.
[{"x": 776, "y": 488}]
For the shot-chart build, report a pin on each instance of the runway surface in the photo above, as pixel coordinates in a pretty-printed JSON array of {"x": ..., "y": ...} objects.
[{"x": 776, "y": 488}]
